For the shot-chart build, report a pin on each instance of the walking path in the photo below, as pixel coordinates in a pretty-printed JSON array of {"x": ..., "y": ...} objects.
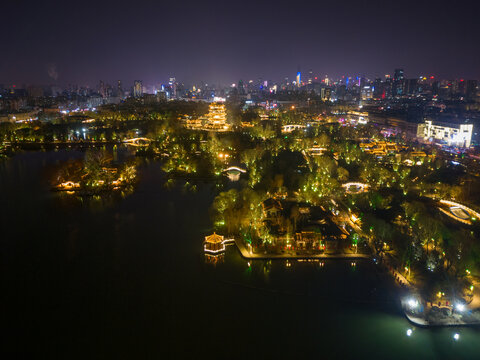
[
  {"x": 401, "y": 279},
  {"x": 266, "y": 256}
]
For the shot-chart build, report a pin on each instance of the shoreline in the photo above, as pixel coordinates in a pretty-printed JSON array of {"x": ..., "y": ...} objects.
[
  {"x": 415, "y": 320},
  {"x": 251, "y": 256},
  {"x": 421, "y": 322}
]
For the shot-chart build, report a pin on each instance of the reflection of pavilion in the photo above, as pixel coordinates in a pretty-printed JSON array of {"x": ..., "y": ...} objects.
[{"x": 214, "y": 259}]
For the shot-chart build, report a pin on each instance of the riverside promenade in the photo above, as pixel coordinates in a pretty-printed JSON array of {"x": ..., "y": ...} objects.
[
  {"x": 431, "y": 317},
  {"x": 441, "y": 317},
  {"x": 289, "y": 255}
]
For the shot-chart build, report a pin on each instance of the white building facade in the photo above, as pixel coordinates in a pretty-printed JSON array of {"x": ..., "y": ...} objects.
[{"x": 459, "y": 135}]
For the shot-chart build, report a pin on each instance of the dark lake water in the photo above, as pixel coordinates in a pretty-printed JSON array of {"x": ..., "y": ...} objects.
[{"x": 126, "y": 278}]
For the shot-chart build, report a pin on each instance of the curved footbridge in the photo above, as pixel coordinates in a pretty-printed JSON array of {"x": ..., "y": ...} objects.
[
  {"x": 458, "y": 212},
  {"x": 139, "y": 141}
]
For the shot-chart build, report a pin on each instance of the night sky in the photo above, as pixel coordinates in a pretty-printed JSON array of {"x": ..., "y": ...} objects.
[{"x": 223, "y": 41}]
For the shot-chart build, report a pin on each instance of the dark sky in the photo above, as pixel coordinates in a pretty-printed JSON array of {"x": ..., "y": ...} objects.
[{"x": 223, "y": 41}]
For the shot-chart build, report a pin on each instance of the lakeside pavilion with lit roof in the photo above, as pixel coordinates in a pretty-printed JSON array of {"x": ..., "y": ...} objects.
[{"x": 214, "y": 243}]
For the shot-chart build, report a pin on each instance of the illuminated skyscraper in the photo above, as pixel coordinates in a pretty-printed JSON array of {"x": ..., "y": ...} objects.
[
  {"x": 471, "y": 90},
  {"x": 137, "y": 88},
  {"x": 241, "y": 87},
  {"x": 326, "y": 93},
  {"x": 299, "y": 78},
  {"x": 102, "y": 89},
  {"x": 173, "y": 87},
  {"x": 398, "y": 82},
  {"x": 398, "y": 75},
  {"x": 119, "y": 92}
]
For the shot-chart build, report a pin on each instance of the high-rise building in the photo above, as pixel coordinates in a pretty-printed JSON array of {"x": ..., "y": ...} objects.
[
  {"x": 137, "y": 88},
  {"x": 461, "y": 87},
  {"x": 398, "y": 83},
  {"x": 398, "y": 75},
  {"x": 241, "y": 87},
  {"x": 325, "y": 93},
  {"x": 102, "y": 90},
  {"x": 299, "y": 78},
  {"x": 35, "y": 91},
  {"x": 471, "y": 90},
  {"x": 378, "y": 89},
  {"x": 411, "y": 86},
  {"x": 366, "y": 92},
  {"x": 173, "y": 87},
  {"x": 310, "y": 76},
  {"x": 119, "y": 88}
]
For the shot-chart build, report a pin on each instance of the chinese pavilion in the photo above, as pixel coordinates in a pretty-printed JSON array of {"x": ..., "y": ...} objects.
[{"x": 214, "y": 244}]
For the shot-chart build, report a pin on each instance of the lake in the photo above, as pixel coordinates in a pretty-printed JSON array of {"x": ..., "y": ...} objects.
[{"x": 126, "y": 277}]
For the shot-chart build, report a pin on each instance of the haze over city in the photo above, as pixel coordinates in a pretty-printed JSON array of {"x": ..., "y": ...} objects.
[{"x": 221, "y": 42}]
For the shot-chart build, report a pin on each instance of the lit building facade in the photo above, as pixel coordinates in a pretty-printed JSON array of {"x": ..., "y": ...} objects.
[
  {"x": 452, "y": 134},
  {"x": 358, "y": 117},
  {"x": 214, "y": 244},
  {"x": 137, "y": 89},
  {"x": 216, "y": 119},
  {"x": 366, "y": 93}
]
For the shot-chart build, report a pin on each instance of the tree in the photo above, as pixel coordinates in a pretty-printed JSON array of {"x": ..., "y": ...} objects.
[
  {"x": 379, "y": 229},
  {"x": 294, "y": 216},
  {"x": 342, "y": 174}
]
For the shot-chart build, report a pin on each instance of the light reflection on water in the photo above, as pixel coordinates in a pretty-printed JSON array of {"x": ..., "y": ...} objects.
[{"x": 127, "y": 276}]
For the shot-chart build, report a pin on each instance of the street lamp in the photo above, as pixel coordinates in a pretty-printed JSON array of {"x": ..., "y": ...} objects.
[{"x": 412, "y": 303}]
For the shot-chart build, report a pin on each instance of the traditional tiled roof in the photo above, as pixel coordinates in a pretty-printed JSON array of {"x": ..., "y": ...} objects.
[{"x": 214, "y": 238}]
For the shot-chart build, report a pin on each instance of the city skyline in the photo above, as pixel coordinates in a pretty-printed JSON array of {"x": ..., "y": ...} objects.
[
  {"x": 306, "y": 77},
  {"x": 221, "y": 43}
]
